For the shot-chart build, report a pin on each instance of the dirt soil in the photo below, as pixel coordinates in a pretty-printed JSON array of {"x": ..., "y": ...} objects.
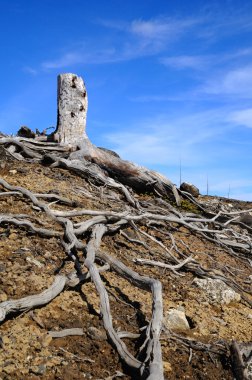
[{"x": 28, "y": 264}]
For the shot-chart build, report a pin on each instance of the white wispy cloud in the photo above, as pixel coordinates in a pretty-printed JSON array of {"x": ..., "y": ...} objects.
[
  {"x": 158, "y": 98},
  {"x": 242, "y": 117},
  {"x": 199, "y": 139},
  {"x": 138, "y": 38},
  {"x": 163, "y": 139},
  {"x": 187, "y": 62},
  {"x": 234, "y": 82},
  {"x": 68, "y": 59},
  {"x": 162, "y": 28},
  {"x": 30, "y": 70}
]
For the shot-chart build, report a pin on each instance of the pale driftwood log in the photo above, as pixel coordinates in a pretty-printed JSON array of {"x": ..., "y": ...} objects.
[
  {"x": 90, "y": 171},
  {"x": 190, "y": 223},
  {"x": 27, "y": 224},
  {"x": 91, "y": 249},
  {"x": 66, "y": 332},
  {"x": 173, "y": 268},
  {"x": 152, "y": 334},
  {"x": 105, "y": 168},
  {"x": 30, "y": 302},
  {"x": 154, "y": 354}
]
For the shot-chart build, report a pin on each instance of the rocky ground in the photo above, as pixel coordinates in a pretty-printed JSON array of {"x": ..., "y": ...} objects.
[{"x": 198, "y": 348}]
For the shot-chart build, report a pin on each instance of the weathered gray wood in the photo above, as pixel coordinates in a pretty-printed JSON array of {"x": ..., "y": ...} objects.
[
  {"x": 29, "y": 302},
  {"x": 92, "y": 249},
  {"x": 66, "y": 332},
  {"x": 72, "y": 110},
  {"x": 155, "y": 325}
]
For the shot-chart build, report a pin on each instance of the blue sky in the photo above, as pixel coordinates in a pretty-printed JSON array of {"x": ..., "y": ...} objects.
[{"x": 167, "y": 81}]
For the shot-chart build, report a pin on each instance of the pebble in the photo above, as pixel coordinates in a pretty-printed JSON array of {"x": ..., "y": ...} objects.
[
  {"x": 175, "y": 319},
  {"x": 46, "y": 340},
  {"x": 2, "y": 267},
  {"x": 96, "y": 334},
  {"x": 167, "y": 366},
  {"x": 220, "y": 321},
  {"x": 39, "y": 370}
]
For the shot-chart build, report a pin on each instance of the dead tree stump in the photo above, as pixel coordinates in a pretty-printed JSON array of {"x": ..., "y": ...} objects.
[{"x": 72, "y": 110}]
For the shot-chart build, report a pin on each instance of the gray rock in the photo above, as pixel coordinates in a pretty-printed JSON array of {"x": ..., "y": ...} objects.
[
  {"x": 96, "y": 334},
  {"x": 39, "y": 370},
  {"x": 175, "y": 319},
  {"x": 26, "y": 132},
  {"x": 246, "y": 219},
  {"x": 220, "y": 321},
  {"x": 190, "y": 188},
  {"x": 217, "y": 291}
]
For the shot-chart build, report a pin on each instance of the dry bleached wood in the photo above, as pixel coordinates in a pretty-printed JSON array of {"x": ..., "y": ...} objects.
[
  {"x": 66, "y": 332},
  {"x": 30, "y": 302},
  {"x": 153, "y": 348},
  {"x": 72, "y": 110},
  {"x": 104, "y": 168}
]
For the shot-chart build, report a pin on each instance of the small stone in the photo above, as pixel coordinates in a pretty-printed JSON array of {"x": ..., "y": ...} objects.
[
  {"x": 13, "y": 171},
  {"x": 6, "y": 340},
  {"x": 96, "y": 334},
  {"x": 2, "y": 267},
  {"x": 9, "y": 369},
  {"x": 175, "y": 320},
  {"x": 54, "y": 361},
  {"x": 220, "y": 321},
  {"x": 13, "y": 236},
  {"x": 203, "y": 329},
  {"x": 217, "y": 291},
  {"x": 34, "y": 261},
  {"x": 167, "y": 367},
  {"x": 47, "y": 255},
  {"x": 46, "y": 340},
  {"x": 39, "y": 370},
  {"x": 3, "y": 297}
]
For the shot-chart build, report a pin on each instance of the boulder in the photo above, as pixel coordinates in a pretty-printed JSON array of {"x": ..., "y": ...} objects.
[
  {"x": 246, "y": 219},
  {"x": 217, "y": 291},
  {"x": 175, "y": 319},
  {"x": 190, "y": 188},
  {"x": 26, "y": 132}
]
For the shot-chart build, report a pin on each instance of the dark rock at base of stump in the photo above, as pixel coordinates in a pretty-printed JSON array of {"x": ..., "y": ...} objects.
[
  {"x": 246, "y": 219},
  {"x": 26, "y": 132}
]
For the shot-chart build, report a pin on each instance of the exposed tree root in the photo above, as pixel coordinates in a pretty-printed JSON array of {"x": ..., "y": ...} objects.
[{"x": 82, "y": 238}]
